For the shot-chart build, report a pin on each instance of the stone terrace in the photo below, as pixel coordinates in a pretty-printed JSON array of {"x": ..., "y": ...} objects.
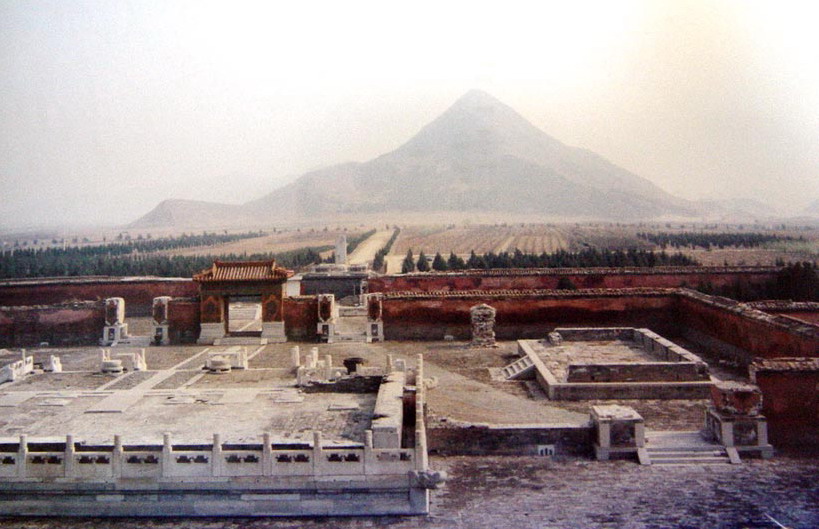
[{"x": 539, "y": 493}]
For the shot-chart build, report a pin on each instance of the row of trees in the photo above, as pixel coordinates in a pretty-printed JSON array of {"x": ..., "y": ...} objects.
[
  {"x": 58, "y": 263},
  {"x": 140, "y": 245},
  {"x": 352, "y": 244},
  {"x": 795, "y": 281},
  {"x": 590, "y": 257},
  {"x": 380, "y": 255},
  {"x": 708, "y": 240}
]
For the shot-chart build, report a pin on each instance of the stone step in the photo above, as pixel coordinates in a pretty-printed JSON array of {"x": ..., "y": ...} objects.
[
  {"x": 240, "y": 340},
  {"x": 719, "y": 452},
  {"x": 518, "y": 368},
  {"x": 352, "y": 311},
  {"x": 682, "y": 448},
  {"x": 690, "y": 460},
  {"x": 351, "y": 337},
  {"x": 675, "y": 448}
]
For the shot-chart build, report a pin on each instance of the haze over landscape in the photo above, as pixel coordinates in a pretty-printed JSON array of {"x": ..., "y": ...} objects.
[{"x": 108, "y": 110}]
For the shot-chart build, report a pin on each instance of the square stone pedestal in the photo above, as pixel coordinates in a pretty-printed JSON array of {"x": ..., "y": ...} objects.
[
  {"x": 210, "y": 332},
  {"x": 619, "y": 430},
  {"x": 273, "y": 331},
  {"x": 744, "y": 433},
  {"x": 160, "y": 335},
  {"x": 375, "y": 331},
  {"x": 112, "y": 334},
  {"x": 326, "y": 330}
]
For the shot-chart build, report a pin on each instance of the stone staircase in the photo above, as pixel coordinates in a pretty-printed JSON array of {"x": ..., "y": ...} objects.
[
  {"x": 133, "y": 341},
  {"x": 685, "y": 448},
  {"x": 350, "y": 327},
  {"x": 346, "y": 312},
  {"x": 520, "y": 367},
  {"x": 240, "y": 340},
  {"x": 350, "y": 337}
]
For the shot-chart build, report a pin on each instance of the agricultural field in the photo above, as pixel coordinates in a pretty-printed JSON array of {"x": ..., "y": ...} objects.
[
  {"x": 281, "y": 241},
  {"x": 788, "y": 244},
  {"x": 462, "y": 240}
]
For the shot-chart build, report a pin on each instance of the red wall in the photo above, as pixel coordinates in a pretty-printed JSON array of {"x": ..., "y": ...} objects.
[
  {"x": 791, "y": 405},
  {"x": 137, "y": 292},
  {"x": 525, "y": 314},
  {"x": 524, "y": 279},
  {"x": 183, "y": 320},
  {"x": 301, "y": 317},
  {"x": 70, "y": 324},
  {"x": 749, "y": 329}
]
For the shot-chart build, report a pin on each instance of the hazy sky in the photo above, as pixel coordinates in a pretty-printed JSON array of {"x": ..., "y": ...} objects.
[{"x": 108, "y": 107}]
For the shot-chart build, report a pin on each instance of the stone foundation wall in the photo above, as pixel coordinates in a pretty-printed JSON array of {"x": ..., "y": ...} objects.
[
  {"x": 482, "y": 439},
  {"x": 68, "y": 324},
  {"x": 548, "y": 278},
  {"x": 635, "y": 372},
  {"x": 138, "y": 292}
]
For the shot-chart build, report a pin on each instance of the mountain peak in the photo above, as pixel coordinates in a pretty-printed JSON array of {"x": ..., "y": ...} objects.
[
  {"x": 477, "y": 97},
  {"x": 476, "y": 119},
  {"x": 478, "y": 155}
]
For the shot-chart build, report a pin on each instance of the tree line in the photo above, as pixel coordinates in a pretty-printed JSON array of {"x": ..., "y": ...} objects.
[
  {"x": 587, "y": 258},
  {"x": 57, "y": 263},
  {"x": 352, "y": 244},
  {"x": 127, "y": 245},
  {"x": 380, "y": 255},
  {"x": 795, "y": 281},
  {"x": 708, "y": 240}
]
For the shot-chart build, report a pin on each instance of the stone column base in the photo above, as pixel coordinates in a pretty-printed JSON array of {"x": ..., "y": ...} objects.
[
  {"x": 210, "y": 332},
  {"x": 326, "y": 330},
  {"x": 375, "y": 331},
  {"x": 273, "y": 331},
  {"x": 160, "y": 335},
  {"x": 112, "y": 334}
]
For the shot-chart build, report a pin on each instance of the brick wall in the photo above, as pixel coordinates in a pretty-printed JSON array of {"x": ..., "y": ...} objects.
[
  {"x": 790, "y": 402},
  {"x": 547, "y": 278},
  {"x": 68, "y": 324},
  {"x": 745, "y": 328},
  {"x": 138, "y": 292},
  {"x": 301, "y": 318},
  {"x": 183, "y": 320},
  {"x": 527, "y": 314},
  {"x": 508, "y": 440}
]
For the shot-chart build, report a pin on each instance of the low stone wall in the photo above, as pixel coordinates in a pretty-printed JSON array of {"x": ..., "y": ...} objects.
[
  {"x": 58, "y": 325},
  {"x": 138, "y": 292},
  {"x": 559, "y": 390},
  {"x": 257, "y": 479},
  {"x": 595, "y": 334},
  {"x": 485, "y": 439},
  {"x": 635, "y": 372},
  {"x": 388, "y": 414}
]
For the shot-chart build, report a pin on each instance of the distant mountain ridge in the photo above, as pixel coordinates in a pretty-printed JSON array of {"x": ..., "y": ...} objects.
[{"x": 479, "y": 155}]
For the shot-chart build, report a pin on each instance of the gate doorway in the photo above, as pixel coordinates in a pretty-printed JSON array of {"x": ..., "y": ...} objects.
[
  {"x": 242, "y": 300},
  {"x": 244, "y": 316}
]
